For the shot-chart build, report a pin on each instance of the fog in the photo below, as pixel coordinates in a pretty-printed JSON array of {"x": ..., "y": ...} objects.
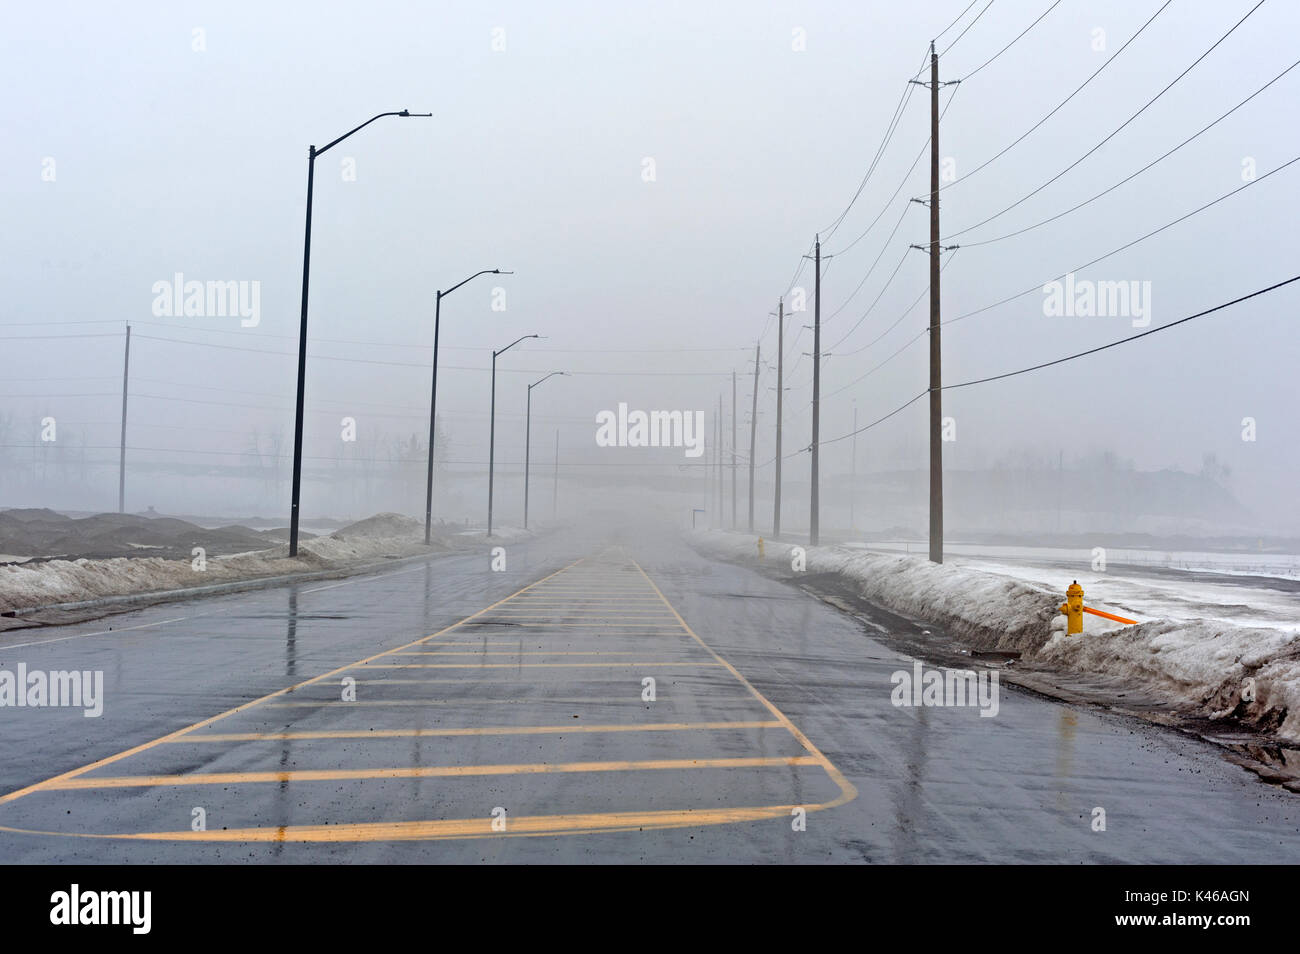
[{"x": 652, "y": 175}]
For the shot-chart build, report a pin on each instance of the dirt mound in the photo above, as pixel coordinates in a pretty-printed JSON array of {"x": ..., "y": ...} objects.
[
  {"x": 44, "y": 533},
  {"x": 380, "y": 525},
  {"x": 24, "y": 514}
]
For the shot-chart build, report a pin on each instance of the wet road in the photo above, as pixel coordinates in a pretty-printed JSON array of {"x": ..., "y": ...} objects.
[{"x": 621, "y": 699}]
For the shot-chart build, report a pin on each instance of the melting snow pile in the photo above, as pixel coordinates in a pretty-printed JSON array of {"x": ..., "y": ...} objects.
[
  {"x": 33, "y": 584},
  {"x": 1209, "y": 666}
]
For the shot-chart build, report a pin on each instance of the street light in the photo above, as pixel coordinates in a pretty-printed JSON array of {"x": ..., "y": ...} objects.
[
  {"x": 528, "y": 436},
  {"x": 433, "y": 399},
  {"x": 492, "y": 427},
  {"x": 312, "y": 153}
]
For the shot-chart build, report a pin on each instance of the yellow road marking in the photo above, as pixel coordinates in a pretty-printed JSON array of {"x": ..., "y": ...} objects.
[
  {"x": 585, "y": 604},
  {"x": 465, "y": 642},
  {"x": 539, "y": 700},
  {"x": 610, "y": 665},
  {"x": 544, "y": 597},
  {"x": 522, "y": 826},
  {"x": 578, "y": 614},
  {"x": 493, "y": 730},
  {"x": 535, "y": 652},
  {"x": 523, "y": 627},
  {"x": 427, "y": 771},
  {"x": 615, "y": 610},
  {"x": 482, "y": 680},
  {"x": 145, "y": 746},
  {"x": 581, "y": 582},
  {"x": 481, "y": 827},
  {"x": 848, "y": 791},
  {"x": 567, "y": 599}
]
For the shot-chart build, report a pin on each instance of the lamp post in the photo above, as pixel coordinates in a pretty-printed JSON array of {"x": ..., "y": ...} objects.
[
  {"x": 312, "y": 153},
  {"x": 433, "y": 399},
  {"x": 492, "y": 427},
  {"x": 528, "y": 436}
]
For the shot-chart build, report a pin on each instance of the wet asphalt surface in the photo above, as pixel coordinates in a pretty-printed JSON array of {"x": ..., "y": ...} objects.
[{"x": 444, "y": 712}]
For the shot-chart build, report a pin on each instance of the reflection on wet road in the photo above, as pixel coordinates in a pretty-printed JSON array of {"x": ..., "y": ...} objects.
[{"x": 611, "y": 701}]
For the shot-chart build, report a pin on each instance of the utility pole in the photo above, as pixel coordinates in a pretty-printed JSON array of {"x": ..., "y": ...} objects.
[
  {"x": 555, "y": 480},
  {"x": 722, "y": 503},
  {"x": 853, "y": 468},
  {"x": 712, "y": 494},
  {"x": 733, "y": 454},
  {"x": 780, "y": 385},
  {"x": 709, "y": 492},
  {"x": 813, "y": 520},
  {"x": 717, "y": 461},
  {"x": 121, "y": 461},
  {"x": 936, "y": 396},
  {"x": 753, "y": 436},
  {"x": 936, "y": 377}
]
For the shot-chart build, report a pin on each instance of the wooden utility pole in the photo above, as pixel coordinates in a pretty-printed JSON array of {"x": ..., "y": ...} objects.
[
  {"x": 780, "y": 385},
  {"x": 733, "y": 450},
  {"x": 121, "y": 461},
  {"x": 816, "y": 395},
  {"x": 717, "y": 461},
  {"x": 853, "y": 471},
  {"x": 936, "y": 378},
  {"x": 753, "y": 436}
]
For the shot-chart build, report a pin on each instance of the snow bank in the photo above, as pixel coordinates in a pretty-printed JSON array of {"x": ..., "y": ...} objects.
[
  {"x": 1249, "y": 673},
  {"x": 28, "y": 585},
  {"x": 988, "y": 611},
  {"x": 1210, "y": 667}
]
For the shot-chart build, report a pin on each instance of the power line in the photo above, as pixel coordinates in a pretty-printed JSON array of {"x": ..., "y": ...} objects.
[
  {"x": 803, "y": 260},
  {"x": 1012, "y": 43},
  {"x": 906, "y": 176},
  {"x": 1130, "y": 178},
  {"x": 1112, "y": 135},
  {"x": 425, "y": 366},
  {"x": 897, "y": 321},
  {"x": 1071, "y": 357},
  {"x": 884, "y": 288},
  {"x": 940, "y": 34},
  {"x": 871, "y": 269},
  {"x": 55, "y": 324},
  {"x": 889, "y": 134},
  {"x": 1055, "y": 109},
  {"x": 348, "y": 341},
  {"x": 70, "y": 377},
  {"x": 968, "y": 26},
  {"x": 1115, "y": 344},
  {"x": 262, "y": 456},
  {"x": 429, "y": 346},
  {"x": 1116, "y": 251},
  {"x": 77, "y": 337}
]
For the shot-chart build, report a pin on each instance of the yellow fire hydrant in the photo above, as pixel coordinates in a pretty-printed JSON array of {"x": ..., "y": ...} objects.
[
  {"x": 760, "y": 548},
  {"x": 1073, "y": 609}
]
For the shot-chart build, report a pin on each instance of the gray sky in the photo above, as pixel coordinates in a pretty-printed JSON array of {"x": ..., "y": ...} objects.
[{"x": 170, "y": 159}]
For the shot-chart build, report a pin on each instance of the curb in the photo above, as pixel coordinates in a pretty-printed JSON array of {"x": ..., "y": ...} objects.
[{"x": 162, "y": 596}]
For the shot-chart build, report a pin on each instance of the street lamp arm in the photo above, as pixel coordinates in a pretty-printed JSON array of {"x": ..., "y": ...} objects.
[
  {"x": 486, "y": 271},
  {"x": 403, "y": 112},
  {"x": 564, "y": 374},
  {"x": 512, "y": 344}
]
